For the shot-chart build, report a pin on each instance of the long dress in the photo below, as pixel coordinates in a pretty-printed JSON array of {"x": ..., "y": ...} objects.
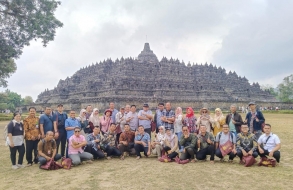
[{"x": 218, "y": 123}]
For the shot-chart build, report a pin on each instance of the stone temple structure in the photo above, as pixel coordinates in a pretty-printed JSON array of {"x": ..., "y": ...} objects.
[{"x": 146, "y": 79}]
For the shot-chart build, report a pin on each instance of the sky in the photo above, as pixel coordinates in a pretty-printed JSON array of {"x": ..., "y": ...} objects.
[{"x": 254, "y": 38}]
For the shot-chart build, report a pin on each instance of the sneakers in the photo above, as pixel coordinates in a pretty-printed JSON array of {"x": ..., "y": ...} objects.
[
  {"x": 21, "y": 166},
  {"x": 14, "y": 167}
]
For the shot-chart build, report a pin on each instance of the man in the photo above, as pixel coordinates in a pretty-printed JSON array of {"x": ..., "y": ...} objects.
[
  {"x": 93, "y": 143},
  {"x": 269, "y": 144},
  {"x": 158, "y": 115},
  {"x": 246, "y": 143},
  {"x": 222, "y": 139},
  {"x": 60, "y": 120},
  {"x": 89, "y": 111},
  {"x": 121, "y": 118},
  {"x": 188, "y": 141},
  {"x": 234, "y": 120},
  {"x": 32, "y": 136},
  {"x": 47, "y": 149},
  {"x": 75, "y": 150},
  {"x": 144, "y": 118},
  {"x": 254, "y": 120},
  {"x": 109, "y": 142},
  {"x": 205, "y": 143},
  {"x": 71, "y": 123},
  {"x": 48, "y": 123},
  {"x": 168, "y": 117},
  {"x": 132, "y": 118},
  {"x": 126, "y": 141},
  {"x": 114, "y": 111},
  {"x": 142, "y": 143},
  {"x": 127, "y": 109}
]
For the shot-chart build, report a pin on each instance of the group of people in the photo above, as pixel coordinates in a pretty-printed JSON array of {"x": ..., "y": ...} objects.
[{"x": 178, "y": 137}]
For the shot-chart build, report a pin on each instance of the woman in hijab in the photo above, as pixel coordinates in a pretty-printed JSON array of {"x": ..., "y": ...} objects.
[
  {"x": 94, "y": 119},
  {"x": 157, "y": 144},
  {"x": 83, "y": 121},
  {"x": 105, "y": 121},
  {"x": 171, "y": 144},
  {"x": 204, "y": 119},
  {"x": 190, "y": 120},
  {"x": 218, "y": 121},
  {"x": 178, "y": 122}
]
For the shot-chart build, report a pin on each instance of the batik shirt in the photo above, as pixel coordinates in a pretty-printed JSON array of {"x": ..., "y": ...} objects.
[{"x": 247, "y": 142}]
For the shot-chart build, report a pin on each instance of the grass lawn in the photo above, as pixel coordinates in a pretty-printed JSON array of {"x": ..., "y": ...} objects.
[{"x": 148, "y": 173}]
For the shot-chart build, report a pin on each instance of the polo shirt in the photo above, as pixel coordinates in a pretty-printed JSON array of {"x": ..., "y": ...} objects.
[
  {"x": 113, "y": 116},
  {"x": 225, "y": 138},
  {"x": 272, "y": 141},
  {"x": 47, "y": 121},
  {"x": 144, "y": 138},
  {"x": 134, "y": 122},
  {"x": 71, "y": 122},
  {"x": 145, "y": 123}
]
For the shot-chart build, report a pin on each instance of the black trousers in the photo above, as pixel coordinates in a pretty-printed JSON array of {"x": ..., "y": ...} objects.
[
  {"x": 202, "y": 153},
  {"x": 129, "y": 148},
  {"x": 96, "y": 153},
  {"x": 219, "y": 154},
  {"x": 172, "y": 155},
  {"x": 276, "y": 155},
  {"x": 112, "y": 151},
  {"x": 240, "y": 154},
  {"x": 140, "y": 148},
  {"x": 188, "y": 154},
  {"x": 61, "y": 139},
  {"x": 31, "y": 148},
  {"x": 21, "y": 151}
]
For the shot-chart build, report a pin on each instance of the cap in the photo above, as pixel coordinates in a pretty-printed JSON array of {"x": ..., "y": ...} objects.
[
  {"x": 145, "y": 105},
  {"x": 251, "y": 103}
]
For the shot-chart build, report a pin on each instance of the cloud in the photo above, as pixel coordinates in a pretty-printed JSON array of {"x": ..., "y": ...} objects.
[{"x": 251, "y": 38}]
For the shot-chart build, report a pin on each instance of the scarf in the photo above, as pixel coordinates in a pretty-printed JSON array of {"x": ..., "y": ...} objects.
[
  {"x": 191, "y": 112},
  {"x": 178, "y": 112},
  {"x": 170, "y": 139},
  {"x": 95, "y": 119},
  {"x": 81, "y": 116},
  {"x": 218, "y": 117}
]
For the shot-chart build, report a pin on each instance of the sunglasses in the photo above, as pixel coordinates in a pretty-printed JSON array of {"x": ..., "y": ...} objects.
[
  {"x": 185, "y": 130},
  {"x": 77, "y": 131}
]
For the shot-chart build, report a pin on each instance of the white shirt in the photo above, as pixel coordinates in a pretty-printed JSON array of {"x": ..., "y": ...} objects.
[
  {"x": 178, "y": 124},
  {"x": 272, "y": 141}
]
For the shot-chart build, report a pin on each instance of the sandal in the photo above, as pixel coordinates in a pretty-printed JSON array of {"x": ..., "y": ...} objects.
[{"x": 122, "y": 158}]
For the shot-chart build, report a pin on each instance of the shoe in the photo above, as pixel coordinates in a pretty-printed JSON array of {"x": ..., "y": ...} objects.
[
  {"x": 138, "y": 157},
  {"x": 230, "y": 161},
  {"x": 21, "y": 166},
  {"x": 122, "y": 158},
  {"x": 184, "y": 161},
  {"x": 89, "y": 162},
  {"x": 14, "y": 167},
  {"x": 177, "y": 159},
  {"x": 109, "y": 158},
  {"x": 29, "y": 164},
  {"x": 222, "y": 160}
]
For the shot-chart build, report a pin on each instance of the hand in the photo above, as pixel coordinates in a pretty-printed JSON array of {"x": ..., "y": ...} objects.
[
  {"x": 244, "y": 153},
  {"x": 245, "y": 121},
  {"x": 143, "y": 143},
  {"x": 125, "y": 143},
  {"x": 11, "y": 145},
  {"x": 74, "y": 143},
  {"x": 56, "y": 135},
  {"x": 39, "y": 136},
  {"x": 261, "y": 150},
  {"x": 136, "y": 133},
  {"x": 256, "y": 119},
  {"x": 43, "y": 136},
  {"x": 97, "y": 140},
  {"x": 48, "y": 158},
  {"x": 250, "y": 152},
  {"x": 233, "y": 121},
  {"x": 33, "y": 138},
  {"x": 198, "y": 140},
  {"x": 110, "y": 136},
  {"x": 209, "y": 141},
  {"x": 234, "y": 151},
  {"x": 271, "y": 154},
  {"x": 184, "y": 150},
  {"x": 149, "y": 153}
]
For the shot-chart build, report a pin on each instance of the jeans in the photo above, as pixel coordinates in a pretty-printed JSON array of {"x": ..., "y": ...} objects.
[
  {"x": 189, "y": 153},
  {"x": 31, "y": 148},
  {"x": 179, "y": 135},
  {"x": 61, "y": 139},
  {"x": 13, "y": 151},
  {"x": 140, "y": 148},
  {"x": 202, "y": 153},
  {"x": 112, "y": 151},
  {"x": 276, "y": 155},
  {"x": 79, "y": 157},
  {"x": 219, "y": 154},
  {"x": 43, "y": 160},
  {"x": 96, "y": 153},
  {"x": 240, "y": 154}
]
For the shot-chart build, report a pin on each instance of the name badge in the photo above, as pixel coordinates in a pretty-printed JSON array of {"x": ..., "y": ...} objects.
[
  {"x": 37, "y": 126},
  {"x": 20, "y": 128},
  {"x": 49, "y": 152}
]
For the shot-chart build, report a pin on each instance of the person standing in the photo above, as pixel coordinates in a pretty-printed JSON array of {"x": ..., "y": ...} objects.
[
  {"x": 144, "y": 118},
  {"x": 218, "y": 121},
  {"x": 190, "y": 120},
  {"x": 254, "y": 120},
  {"x": 48, "y": 123},
  {"x": 15, "y": 140},
  {"x": 234, "y": 120},
  {"x": 114, "y": 111},
  {"x": 204, "y": 119},
  {"x": 178, "y": 123},
  {"x": 105, "y": 121},
  {"x": 158, "y": 115},
  {"x": 88, "y": 110},
  {"x": 32, "y": 136},
  {"x": 168, "y": 117},
  {"x": 132, "y": 118},
  {"x": 61, "y": 117},
  {"x": 121, "y": 119}
]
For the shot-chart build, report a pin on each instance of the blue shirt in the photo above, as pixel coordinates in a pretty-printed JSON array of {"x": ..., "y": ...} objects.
[
  {"x": 159, "y": 114},
  {"x": 113, "y": 116},
  {"x": 71, "y": 123},
  {"x": 47, "y": 121},
  {"x": 144, "y": 138}
]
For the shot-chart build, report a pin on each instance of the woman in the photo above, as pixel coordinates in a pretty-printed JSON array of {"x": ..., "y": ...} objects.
[
  {"x": 171, "y": 144},
  {"x": 15, "y": 140},
  {"x": 190, "y": 120},
  {"x": 178, "y": 123},
  {"x": 84, "y": 123},
  {"x": 105, "y": 121},
  {"x": 157, "y": 144},
  {"x": 204, "y": 119},
  {"x": 218, "y": 121},
  {"x": 94, "y": 120}
]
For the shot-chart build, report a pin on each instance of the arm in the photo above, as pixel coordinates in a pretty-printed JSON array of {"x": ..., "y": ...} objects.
[
  {"x": 239, "y": 121},
  {"x": 78, "y": 145},
  {"x": 182, "y": 140},
  {"x": 42, "y": 126},
  {"x": 67, "y": 126},
  {"x": 26, "y": 129},
  {"x": 193, "y": 141}
]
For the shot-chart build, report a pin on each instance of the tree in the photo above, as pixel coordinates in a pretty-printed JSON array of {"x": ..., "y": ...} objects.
[
  {"x": 14, "y": 99},
  {"x": 22, "y": 21},
  {"x": 28, "y": 100},
  {"x": 3, "y": 101},
  {"x": 273, "y": 91},
  {"x": 286, "y": 89}
]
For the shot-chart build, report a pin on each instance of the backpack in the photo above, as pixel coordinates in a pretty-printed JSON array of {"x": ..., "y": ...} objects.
[{"x": 5, "y": 133}]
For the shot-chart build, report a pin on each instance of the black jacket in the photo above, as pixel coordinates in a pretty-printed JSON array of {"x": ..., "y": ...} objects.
[{"x": 237, "y": 118}]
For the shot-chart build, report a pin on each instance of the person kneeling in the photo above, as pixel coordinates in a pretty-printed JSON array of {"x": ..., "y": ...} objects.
[
  {"x": 171, "y": 144},
  {"x": 246, "y": 143},
  {"x": 126, "y": 141},
  {"x": 93, "y": 143},
  {"x": 75, "y": 151},
  {"x": 47, "y": 149},
  {"x": 205, "y": 142},
  {"x": 188, "y": 141},
  {"x": 109, "y": 142},
  {"x": 226, "y": 144},
  {"x": 142, "y": 143},
  {"x": 157, "y": 144}
]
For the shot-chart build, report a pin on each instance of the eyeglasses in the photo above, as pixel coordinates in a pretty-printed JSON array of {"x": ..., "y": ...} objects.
[
  {"x": 204, "y": 112},
  {"x": 225, "y": 127},
  {"x": 84, "y": 112},
  {"x": 76, "y": 131},
  {"x": 185, "y": 130}
]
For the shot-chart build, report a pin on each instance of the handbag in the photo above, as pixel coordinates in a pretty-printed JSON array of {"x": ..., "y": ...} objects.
[
  {"x": 268, "y": 162},
  {"x": 51, "y": 165},
  {"x": 248, "y": 160},
  {"x": 164, "y": 158},
  {"x": 153, "y": 126},
  {"x": 66, "y": 163},
  {"x": 227, "y": 147}
]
